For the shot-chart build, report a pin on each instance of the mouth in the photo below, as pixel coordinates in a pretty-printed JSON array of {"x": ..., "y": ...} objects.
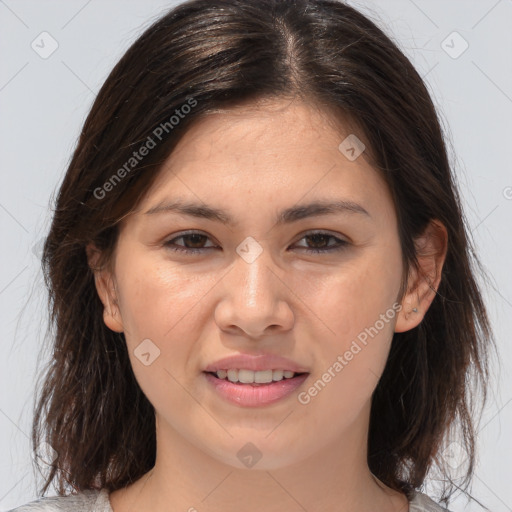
[
  {"x": 250, "y": 380},
  {"x": 248, "y": 388},
  {"x": 254, "y": 378}
]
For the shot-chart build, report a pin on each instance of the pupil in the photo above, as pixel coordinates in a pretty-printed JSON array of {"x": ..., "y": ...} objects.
[
  {"x": 318, "y": 237},
  {"x": 195, "y": 238}
]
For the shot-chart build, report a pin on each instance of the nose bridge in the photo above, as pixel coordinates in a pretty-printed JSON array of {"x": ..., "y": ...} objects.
[
  {"x": 252, "y": 294},
  {"x": 253, "y": 274}
]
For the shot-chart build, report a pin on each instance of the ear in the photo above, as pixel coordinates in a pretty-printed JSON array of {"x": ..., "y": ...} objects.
[
  {"x": 105, "y": 286},
  {"x": 422, "y": 284}
]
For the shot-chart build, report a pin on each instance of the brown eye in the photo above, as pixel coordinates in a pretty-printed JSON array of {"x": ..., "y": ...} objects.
[
  {"x": 195, "y": 240},
  {"x": 193, "y": 243},
  {"x": 321, "y": 243}
]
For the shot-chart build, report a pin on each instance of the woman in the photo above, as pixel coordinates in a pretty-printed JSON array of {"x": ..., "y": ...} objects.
[{"x": 259, "y": 275}]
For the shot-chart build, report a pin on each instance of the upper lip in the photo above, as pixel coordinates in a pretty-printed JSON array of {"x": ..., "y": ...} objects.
[{"x": 255, "y": 363}]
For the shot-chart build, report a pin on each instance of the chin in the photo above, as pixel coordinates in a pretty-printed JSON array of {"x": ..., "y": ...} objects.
[{"x": 259, "y": 452}]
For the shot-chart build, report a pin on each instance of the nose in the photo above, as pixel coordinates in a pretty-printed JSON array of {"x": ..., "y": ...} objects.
[{"x": 255, "y": 300}]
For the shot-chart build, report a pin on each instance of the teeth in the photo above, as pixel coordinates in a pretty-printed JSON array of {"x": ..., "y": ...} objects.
[
  {"x": 233, "y": 375},
  {"x": 277, "y": 375},
  {"x": 262, "y": 377},
  {"x": 251, "y": 377}
]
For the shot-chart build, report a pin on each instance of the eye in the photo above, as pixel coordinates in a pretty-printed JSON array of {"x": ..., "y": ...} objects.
[
  {"x": 320, "y": 239},
  {"x": 194, "y": 239}
]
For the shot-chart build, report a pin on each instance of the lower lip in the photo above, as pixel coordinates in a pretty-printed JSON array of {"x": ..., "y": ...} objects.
[{"x": 248, "y": 395}]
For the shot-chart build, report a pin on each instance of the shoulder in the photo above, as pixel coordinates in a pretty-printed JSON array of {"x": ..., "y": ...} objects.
[
  {"x": 84, "y": 501},
  {"x": 422, "y": 503}
]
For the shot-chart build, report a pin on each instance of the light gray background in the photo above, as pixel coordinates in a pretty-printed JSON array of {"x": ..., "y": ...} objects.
[{"x": 43, "y": 103}]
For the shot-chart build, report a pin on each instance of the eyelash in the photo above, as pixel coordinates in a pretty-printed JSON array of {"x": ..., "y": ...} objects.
[{"x": 340, "y": 244}]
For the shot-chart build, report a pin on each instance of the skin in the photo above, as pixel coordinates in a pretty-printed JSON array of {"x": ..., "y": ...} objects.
[{"x": 252, "y": 162}]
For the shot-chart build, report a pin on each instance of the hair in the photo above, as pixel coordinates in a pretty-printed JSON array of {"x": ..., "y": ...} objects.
[{"x": 219, "y": 54}]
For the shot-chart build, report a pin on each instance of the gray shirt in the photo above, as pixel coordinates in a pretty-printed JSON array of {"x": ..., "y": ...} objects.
[{"x": 98, "y": 501}]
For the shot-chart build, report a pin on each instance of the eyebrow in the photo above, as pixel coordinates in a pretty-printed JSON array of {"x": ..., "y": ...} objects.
[{"x": 287, "y": 216}]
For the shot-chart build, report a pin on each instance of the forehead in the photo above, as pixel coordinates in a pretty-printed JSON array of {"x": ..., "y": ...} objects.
[
  {"x": 268, "y": 126},
  {"x": 274, "y": 152},
  {"x": 270, "y": 135}
]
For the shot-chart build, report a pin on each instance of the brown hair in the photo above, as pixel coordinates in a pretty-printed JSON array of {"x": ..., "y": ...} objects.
[{"x": 211, "y": 54}]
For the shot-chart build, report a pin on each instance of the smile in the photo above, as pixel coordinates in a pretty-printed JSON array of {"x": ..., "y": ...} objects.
[
  {"x": 247, "y": 388},
  {"x": 250, "y": 376}
]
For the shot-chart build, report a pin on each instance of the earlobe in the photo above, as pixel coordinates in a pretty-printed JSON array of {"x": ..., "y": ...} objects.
[
  {"x": 411, "y": 313},
  {"x": 422, "y": 285},
  {"x": 112, "y": 317},
  {"x": 106, "y": 289}
]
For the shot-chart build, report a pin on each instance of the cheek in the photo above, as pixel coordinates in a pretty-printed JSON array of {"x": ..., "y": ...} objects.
[
  {"x": 159, "y": 299},
  {"x": 349, "y": 366},
  {"x": 346, "y": 299},
  {"x": 357, "y": 309},
  {"x": 162, "y": 311}
]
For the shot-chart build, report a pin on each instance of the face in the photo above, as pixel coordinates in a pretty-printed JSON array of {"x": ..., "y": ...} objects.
[{"x": 250, "y": 266}]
